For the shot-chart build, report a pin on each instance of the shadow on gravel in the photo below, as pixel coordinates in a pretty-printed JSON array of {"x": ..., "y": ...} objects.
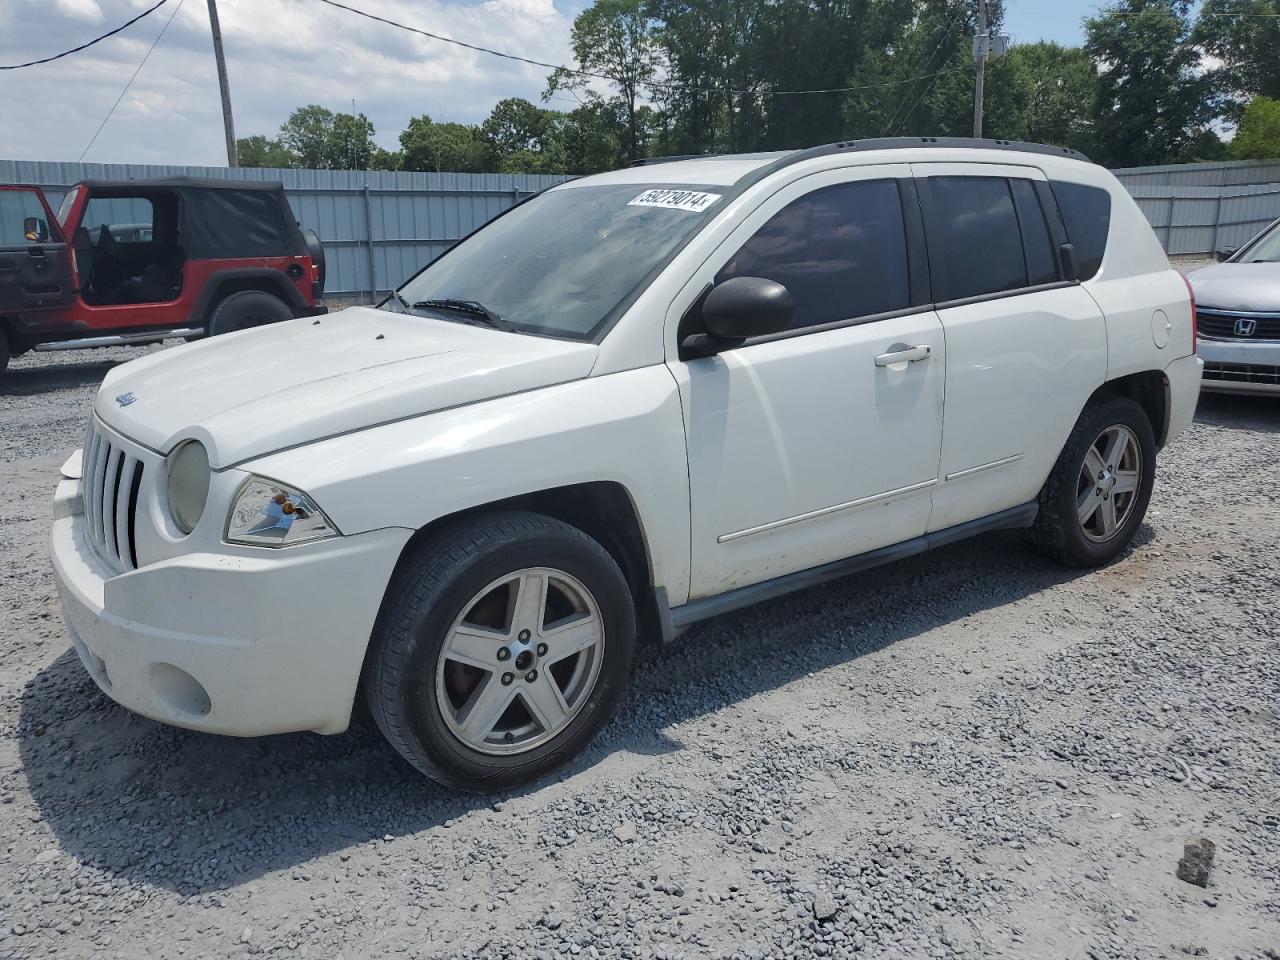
[
  {"x": 1255, "y": 414},
  {"x": 28, "y": 380},
  {"x": 199, "y": 813}
]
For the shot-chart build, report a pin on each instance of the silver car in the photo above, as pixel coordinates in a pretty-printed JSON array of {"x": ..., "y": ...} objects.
[{"x": 1238, "y": 307}]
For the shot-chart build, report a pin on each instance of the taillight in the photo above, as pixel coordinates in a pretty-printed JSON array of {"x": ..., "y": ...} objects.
[{"x": 1195, "y": 326}]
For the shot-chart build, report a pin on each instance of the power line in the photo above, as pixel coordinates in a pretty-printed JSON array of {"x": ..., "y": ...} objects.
[
  {"x": 658, "y": 84},
  {"x": 927, "y": 64},
  {"x": 141, "y": 64},
  {"x": 85, "y": 46}
]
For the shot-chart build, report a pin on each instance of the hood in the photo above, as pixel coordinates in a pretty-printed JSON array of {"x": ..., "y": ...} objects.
[
  {"x": 251, "y": 393},
  {"x": 1252, "y": 287}
]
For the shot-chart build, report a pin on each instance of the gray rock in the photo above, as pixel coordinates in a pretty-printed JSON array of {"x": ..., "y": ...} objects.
[{"x": 1196, "y": 862}]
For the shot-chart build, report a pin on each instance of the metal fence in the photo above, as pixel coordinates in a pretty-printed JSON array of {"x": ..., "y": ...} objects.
[
  {"x": 1196, "y": 208},
  {"x": 379, "y": 227}
]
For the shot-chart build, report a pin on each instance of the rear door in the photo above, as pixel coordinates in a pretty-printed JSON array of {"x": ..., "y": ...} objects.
[
  {"x": 35, "y": 267},
  {"x": 1026, "y": 347}
]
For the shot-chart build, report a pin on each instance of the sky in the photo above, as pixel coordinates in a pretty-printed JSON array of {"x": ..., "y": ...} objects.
[{"x": 282, "y": 54}]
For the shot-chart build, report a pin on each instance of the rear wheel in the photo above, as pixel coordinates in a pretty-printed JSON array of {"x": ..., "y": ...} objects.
[
  {"x": 4, "y": 351},
  {"x": 502, "y": 648},
  {"x": 1097, "y": 495},
  {"x": 248, "y": 308}
]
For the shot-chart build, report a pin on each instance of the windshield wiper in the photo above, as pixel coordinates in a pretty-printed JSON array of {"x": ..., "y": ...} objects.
[{"x": 471, "y": 308}]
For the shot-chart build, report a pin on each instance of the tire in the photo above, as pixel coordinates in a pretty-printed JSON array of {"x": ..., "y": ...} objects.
[
  {"x": 248, "y": 308},
  {"x": 316, "y": 251},
  {"x": 1074, "y": 524},
  {"x": 4, "y": 352},
  {"x": 459, "y": 592}
]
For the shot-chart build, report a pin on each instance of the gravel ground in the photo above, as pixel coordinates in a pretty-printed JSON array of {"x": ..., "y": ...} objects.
[{"x": 970, "y": 753}]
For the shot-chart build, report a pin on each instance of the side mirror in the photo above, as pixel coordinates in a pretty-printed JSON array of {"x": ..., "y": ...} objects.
[
  {"x": 744, "y": 307},
  {"x": 1223, "y": 254},
  {"x": 1067, "y": 257},
  {"x": 35, "y": 230}
]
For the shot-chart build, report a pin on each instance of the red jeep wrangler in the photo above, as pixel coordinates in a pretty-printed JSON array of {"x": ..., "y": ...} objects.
[{"x": 138, "y": 261}]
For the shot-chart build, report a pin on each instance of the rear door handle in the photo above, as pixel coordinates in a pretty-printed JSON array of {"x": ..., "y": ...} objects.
[{"x": 909, "y": 355}]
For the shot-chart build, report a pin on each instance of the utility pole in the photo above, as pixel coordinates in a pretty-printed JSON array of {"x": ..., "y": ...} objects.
[
  {"x": 981, "y": 47},
  {"x": 224, "y": 87}
]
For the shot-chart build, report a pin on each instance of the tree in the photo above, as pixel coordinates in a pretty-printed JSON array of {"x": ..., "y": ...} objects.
[
  {"x": 260, "y": 151},
  {"x": 440, "y": 147},
  {"x": 1258, "y": 135},
  {"x": 1244, "y": 37},
  {"x": 324, "y": 140},
  {"x": 1056, "y": 90},
  {"x": 616, "y": 39},
  {"x": 1153, "y": 100},
  {"x": 516, "y": 125}
]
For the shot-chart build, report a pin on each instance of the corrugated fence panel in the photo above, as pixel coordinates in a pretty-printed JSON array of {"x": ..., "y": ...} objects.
[
  {"x": 393, "y": 223},
  {"x": 381, "y": 227}
]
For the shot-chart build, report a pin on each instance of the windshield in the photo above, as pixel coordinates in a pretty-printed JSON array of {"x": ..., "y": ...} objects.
[
  {"x": 64, "y": 210},
  {"x": 568, "y": 262},
  {"x": 1266, "y": 249}
]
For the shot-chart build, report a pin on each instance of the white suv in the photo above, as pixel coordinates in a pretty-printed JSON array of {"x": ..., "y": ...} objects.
[{"x": 632, "y": 402}]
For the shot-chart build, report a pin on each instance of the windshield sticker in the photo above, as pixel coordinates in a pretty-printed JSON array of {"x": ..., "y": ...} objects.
[{"x": 691, "y": 200}]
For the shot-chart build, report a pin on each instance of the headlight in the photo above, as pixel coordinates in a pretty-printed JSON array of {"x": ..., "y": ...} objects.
[
  {"x": 188, "y": 467},
  {"x": 270, "y": 514}
]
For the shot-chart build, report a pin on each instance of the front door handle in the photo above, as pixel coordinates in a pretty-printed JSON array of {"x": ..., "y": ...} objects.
[{"x": 907, "y": 355}]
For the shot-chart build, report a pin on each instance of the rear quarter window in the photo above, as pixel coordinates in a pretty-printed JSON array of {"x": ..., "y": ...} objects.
[{"x": 1086, "y": 214}]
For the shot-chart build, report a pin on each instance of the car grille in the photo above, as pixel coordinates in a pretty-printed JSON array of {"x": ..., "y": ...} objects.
[
  {"x": 1262, "y": 373},
  {"x": 1222, "y": 326},
  {"x": 111, "y": 479}
]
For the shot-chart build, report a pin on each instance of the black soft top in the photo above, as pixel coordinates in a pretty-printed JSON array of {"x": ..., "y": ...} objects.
[{"x": 220, "y": 219}]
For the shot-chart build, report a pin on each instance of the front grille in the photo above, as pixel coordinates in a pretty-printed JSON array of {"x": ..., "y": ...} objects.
[
  {"x": 1263, "y": 373},
  {"x": 111, "y": 480},
  {"x": 1223, "y": 325}
]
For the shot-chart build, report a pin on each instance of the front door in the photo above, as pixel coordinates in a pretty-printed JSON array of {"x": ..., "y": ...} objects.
[
  {"x": 35, "y": 268},
  {"x": 822, "y": 442}
]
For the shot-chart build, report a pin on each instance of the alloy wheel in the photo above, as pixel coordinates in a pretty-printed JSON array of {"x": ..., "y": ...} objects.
[
  {"x": 1110, "y": 476},
  {"x": 520, "y": 661}
]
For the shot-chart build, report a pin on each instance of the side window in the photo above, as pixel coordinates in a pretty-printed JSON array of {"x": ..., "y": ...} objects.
[
  {"x": 841, "y": 251},
  {"x": 975, "y": 246},
  {"x": 22, "y": 218},
  {"x": 1086, "y": 213},
  {"x": 128, "y": 219},
  {"x": 1041, "y": 265}
]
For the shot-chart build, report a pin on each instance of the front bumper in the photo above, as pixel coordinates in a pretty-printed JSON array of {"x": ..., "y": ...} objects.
[
  {"x": 1238, "y": 366},
  {"x": 251, "y": 642}
]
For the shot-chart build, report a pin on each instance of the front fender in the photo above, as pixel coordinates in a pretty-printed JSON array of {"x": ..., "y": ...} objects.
[{"x": 625, "y": 428}]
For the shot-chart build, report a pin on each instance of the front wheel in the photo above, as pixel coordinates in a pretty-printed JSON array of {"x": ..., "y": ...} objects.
[
  {"x": 1097, "y": 494},
  {"x": 502, "y": 647}
]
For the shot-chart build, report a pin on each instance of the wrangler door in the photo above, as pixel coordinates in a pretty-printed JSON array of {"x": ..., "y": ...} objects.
[{"x": 35, "y": 267}]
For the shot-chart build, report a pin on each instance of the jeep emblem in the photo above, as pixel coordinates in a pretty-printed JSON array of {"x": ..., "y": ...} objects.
[{"x": 124, "y": 399}]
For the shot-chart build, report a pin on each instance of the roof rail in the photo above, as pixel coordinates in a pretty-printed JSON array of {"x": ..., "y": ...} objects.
[
  {"x": 649, "y": 161},
  {"x": 970, "y": 143}
]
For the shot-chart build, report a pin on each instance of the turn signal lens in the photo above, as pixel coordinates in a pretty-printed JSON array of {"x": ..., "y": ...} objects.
[{"x": 270, "y": 514}]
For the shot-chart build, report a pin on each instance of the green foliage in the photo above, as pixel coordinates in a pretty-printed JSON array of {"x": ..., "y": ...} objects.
[
  {"x": 614, "y": 38},
  {"x": 1258, "y": 136},
  {"x": 324, "y": 140},
  {"x": 1246, "y": 43},
  {"x": 1152, "y": 84},
  {"x": 452, "y": 147},
  {"x": 1153, "y": 103},
  {"x": 260, "y": 151}
]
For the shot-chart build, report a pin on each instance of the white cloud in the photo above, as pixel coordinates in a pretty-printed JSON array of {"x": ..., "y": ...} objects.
[
  {"x": 281, "y": 54},
  {"x": 88, "y": 10}
]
